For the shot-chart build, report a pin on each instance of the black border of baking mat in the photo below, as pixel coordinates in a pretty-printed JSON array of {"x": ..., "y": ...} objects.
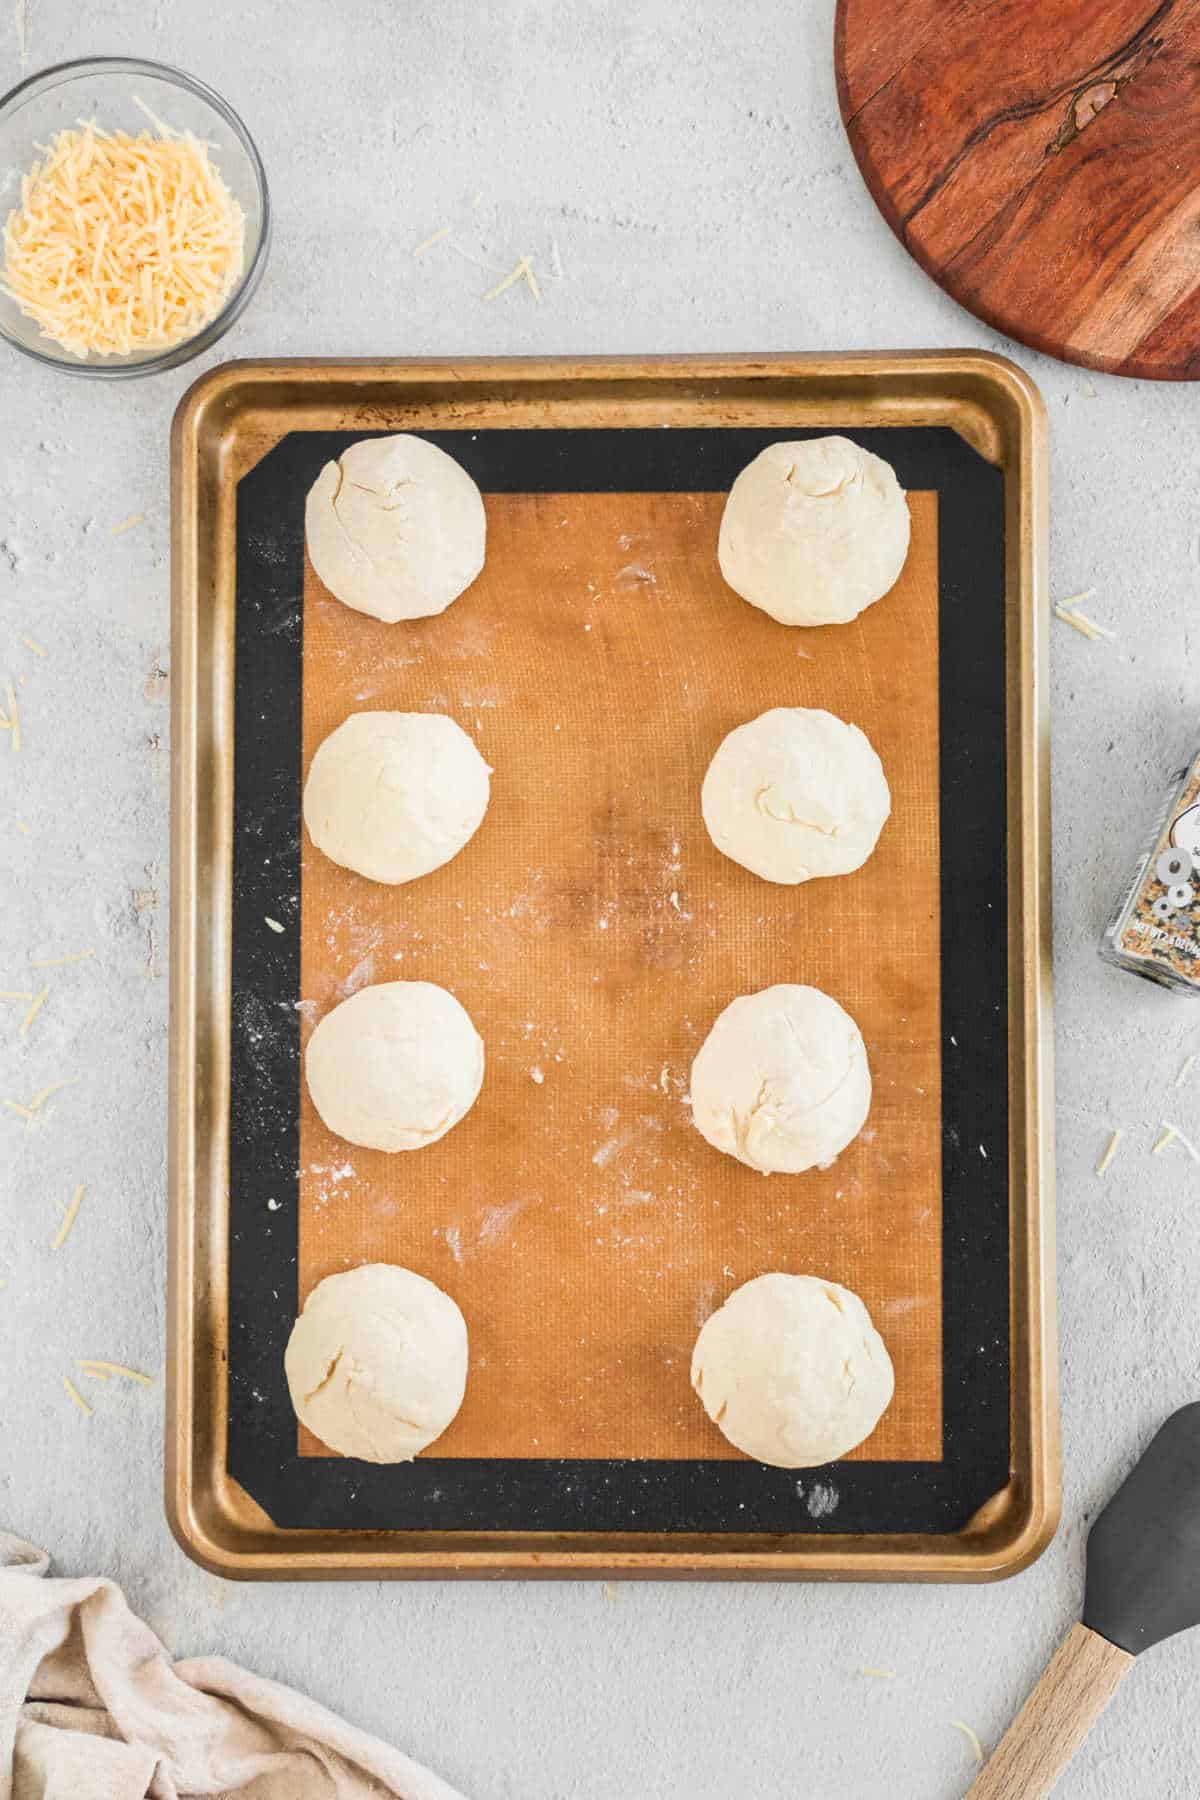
[{"x": 519, "y": 1495}]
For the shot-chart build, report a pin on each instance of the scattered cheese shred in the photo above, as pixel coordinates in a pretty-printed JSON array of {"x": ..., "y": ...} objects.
[
  {"x": 122, "y": 245},
  {"x": 1110, "y": 1150},
  {"x": 43, "y": 1094},
  {"x": 57, "y": 962},
  {"x": 1069, "y": 611},
  {"x": 102, "y": 1370},
  {"x": 11, "y": 721},
  {"x": 77, "y": 1397},
  {"x": 1081, "y": 624},
  {"x": 972, "y": 1738},
  {"x": 39, "y": 1099},
  {"x": 127, "y": 524},
  {"x": 14, "y": 994},
  {"x": 522, "y": 272},
  {"x": 879, "y": 1674},
  {"x": 434, "y": 238},
  {"x": 1096, "y": 629},
  {"x": 1185, "y": 1071},
  {"x": 32, "y": 644},
  {"x": 1177, "y": 1136},
  {"x": 38, "y": 1003},
  {"x": 273, "y": 923},
  {"x": 1168, "y": 1137},
  {"x": 68, "y": 1219},
  {"x": 23, "y": 827}
]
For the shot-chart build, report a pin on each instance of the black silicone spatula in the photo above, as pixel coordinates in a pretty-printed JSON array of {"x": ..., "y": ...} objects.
[{"x": 1143, "y": 1585}]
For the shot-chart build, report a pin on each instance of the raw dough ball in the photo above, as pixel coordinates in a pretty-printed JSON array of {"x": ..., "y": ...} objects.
[
  {"x": 781, "y": 1081},
  {"x": 395, "y": 1066},
  {"x": 377, "y": 1363},
  {"x": 395, "y": 528},
  {"x": 795, "y": 793},
  {"x": 394, "y": 795},
  {"x": 813, "y": 532},
  {"x": 792, "y": 1370}
]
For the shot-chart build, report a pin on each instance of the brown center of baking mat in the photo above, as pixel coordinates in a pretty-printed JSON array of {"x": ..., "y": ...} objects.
[{"x": 593, "y": 934}]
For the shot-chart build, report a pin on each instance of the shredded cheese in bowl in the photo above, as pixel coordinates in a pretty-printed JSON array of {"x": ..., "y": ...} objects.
[{"x": 122, "y": 244}]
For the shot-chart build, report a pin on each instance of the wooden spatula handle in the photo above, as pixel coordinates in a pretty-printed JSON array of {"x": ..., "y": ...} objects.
[{"x": 1080, "y": 1679}]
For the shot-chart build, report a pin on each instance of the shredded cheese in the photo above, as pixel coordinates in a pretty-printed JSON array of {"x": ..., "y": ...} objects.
[
  {"x": 38, "y": 1003},
  {"x": 11, "y": 720},
  {"x": 273, "y": 923},
  {"x": 1168, "y": 1137},
  {"x": 43, "y": 1094},
  {"x": 123, "y": 245},
  {"x": 77, "y": 1397},
  {"x": 1069, "y": 611},
  {"x": 1110, "y": 1150},
  {"x": 39, "y": 1099},
  {"x": 57, "y": 962},
  {"x": 1177, "y": 1136},
  {"x": 972, "y": 1738},
  {"x": 1082, "y": 625},
  {"x": 102, "y": 1370},
  {"x": 68, "y": 1219},
  {"x": 879, "y": 1674},
  {"x": 434, "y": 238},
  {"x": 127, "y": 524},
  {"x": 522, "y": 272},
  {"x": 1185, "y": 1071},
  {"x": 32, "y": 644},
  {"x": 22, "y": 827},
  {"x": 14, "y": 994}
]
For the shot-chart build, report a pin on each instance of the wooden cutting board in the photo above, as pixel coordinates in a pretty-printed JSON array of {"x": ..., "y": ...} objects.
[{"x": 1041, "y": 160}]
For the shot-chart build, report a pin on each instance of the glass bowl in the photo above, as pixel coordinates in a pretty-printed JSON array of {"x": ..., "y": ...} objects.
[{"x": 103, "y": 88}]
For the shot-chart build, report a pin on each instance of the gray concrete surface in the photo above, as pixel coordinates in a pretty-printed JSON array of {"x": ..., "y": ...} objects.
[{"x": 690, "y": 164}]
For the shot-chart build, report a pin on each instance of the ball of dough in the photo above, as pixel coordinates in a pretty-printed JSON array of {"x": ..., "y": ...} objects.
[
  {"x": 813, "y": 532},
  {"x": 395, "y": 1066},
  {"x": 394, "y": 795},
  {"x": 377, "y": 1363},
  {"x": 792, "y": 1370},
  {"x": 795, "y": 793},
  {"x": 395, "y": 528},
  {"x": 781, "y": 1081}
]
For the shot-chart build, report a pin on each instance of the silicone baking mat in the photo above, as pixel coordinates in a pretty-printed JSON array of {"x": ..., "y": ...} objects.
[{"x": 593, "y": 933}]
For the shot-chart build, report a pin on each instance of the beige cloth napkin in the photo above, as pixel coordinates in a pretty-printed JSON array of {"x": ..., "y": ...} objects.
[{"x": 92, "y": 1708}]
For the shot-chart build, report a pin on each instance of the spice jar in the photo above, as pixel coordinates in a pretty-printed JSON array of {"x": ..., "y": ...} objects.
[{"x": 1155, "y": 931}]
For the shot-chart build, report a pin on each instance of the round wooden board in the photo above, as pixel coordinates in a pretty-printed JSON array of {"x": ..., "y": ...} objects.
[{"x": 1041, "y": 160}]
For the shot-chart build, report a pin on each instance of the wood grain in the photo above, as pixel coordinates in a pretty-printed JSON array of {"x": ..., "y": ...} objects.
[
  {"x": 1080, "y": 1679},
  {"x": 1042, "y": 163},
  {"x": 593, "y": 933}
]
